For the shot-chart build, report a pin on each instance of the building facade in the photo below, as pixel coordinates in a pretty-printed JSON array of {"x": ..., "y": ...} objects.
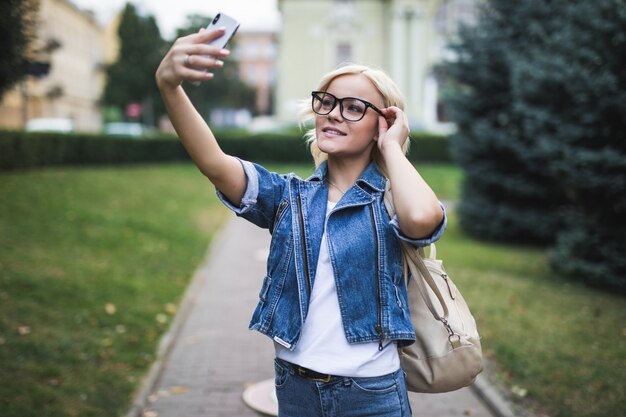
[
  {"x": 254, "y": 51},
  {"x": 406, "y": 38},
  {"x": 74, "y": 44},
  {"x": 256, "y": 54}
]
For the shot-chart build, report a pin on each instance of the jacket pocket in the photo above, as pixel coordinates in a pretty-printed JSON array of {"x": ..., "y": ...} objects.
[{"x": 282, "y": 209}]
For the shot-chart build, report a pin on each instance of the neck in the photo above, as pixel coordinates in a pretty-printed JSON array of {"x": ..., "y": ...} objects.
[{"x": 344, "y": 173}]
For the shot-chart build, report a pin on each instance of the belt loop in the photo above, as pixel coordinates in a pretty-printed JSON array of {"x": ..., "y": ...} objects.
[{"x": 347, "y": 382}]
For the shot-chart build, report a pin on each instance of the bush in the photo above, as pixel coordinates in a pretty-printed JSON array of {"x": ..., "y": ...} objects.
[
  {"x": 427, "y": 147},
  {"x": 20, "y": 150}
]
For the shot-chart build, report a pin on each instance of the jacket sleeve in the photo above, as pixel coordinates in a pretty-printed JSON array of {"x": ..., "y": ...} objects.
[
  {"x": 427, "y": 240},
  {"x": 262, "y": 197}
]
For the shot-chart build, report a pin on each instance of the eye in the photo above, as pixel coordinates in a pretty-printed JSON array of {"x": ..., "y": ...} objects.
[
  {"x": 355, "y": 107},
  {"x": 327, "y": 102}
]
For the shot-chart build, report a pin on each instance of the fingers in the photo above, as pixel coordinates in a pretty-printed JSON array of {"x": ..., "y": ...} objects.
[
  {"x": 383, "y": 126},
  {"x": 195, "y": 74},
  {"x": 393, "y": 126},
  {"x": 190, "y": 58},
  {"x": 197, "y": 67},
  {"x": 392, "y": 112},
  {"x": 197, "y": 44},
  {"x": 395, "y": 116},
  {"x": 203, "y": 35},
  {"x": 209, "y": 35},
  {"x": 193, "y": 48},
  {"x": 201, "y": 61}
]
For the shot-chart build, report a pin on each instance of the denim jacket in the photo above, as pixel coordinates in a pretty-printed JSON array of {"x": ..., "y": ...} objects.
[{"x": 364, "y": 251}]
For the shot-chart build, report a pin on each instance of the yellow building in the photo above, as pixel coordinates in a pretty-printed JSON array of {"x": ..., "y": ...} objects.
[
  {"x": 406, "y": 38},
  {"x": 75, "y": 45}
]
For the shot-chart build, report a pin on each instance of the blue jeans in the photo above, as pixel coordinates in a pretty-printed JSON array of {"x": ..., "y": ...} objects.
[{"x": 382, "y": 396}]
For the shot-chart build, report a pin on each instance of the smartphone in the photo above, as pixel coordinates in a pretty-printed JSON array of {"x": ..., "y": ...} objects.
[{"x": 230, "y": 24}]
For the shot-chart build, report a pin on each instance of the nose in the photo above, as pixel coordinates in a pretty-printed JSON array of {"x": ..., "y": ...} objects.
[{"x": 335, "y": 113}]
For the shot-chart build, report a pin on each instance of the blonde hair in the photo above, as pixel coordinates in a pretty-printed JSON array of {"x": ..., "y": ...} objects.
[{"x": 380, "y": 80}]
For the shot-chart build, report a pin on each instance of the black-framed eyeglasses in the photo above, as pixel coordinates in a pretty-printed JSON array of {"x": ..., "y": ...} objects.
[{"x": 352, "y": 109}]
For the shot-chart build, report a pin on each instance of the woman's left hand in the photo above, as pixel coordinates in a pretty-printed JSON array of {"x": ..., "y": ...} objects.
[{"x": 393, "y": 128}]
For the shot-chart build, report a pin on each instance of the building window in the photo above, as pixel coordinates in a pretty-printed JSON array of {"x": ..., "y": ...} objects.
[{"x": 344, "y": 53}]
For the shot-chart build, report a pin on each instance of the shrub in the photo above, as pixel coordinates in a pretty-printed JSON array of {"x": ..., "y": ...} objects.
[{"x": 20, "y": 150}]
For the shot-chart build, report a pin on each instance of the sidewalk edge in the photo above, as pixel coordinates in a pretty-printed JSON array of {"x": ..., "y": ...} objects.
[
  {"x": 491, "y": 398},
  {"x": 168, "y": 340}
]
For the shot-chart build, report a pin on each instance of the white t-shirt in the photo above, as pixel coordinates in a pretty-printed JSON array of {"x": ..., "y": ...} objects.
[{"x": 323, "y": 346}]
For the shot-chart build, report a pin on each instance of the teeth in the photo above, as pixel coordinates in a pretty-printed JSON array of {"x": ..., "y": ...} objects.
[{"x": 334, "y": 132}]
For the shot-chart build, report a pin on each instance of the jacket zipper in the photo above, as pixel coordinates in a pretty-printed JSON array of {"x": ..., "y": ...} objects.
[
  {"x": 305, "y": 257},
  {"x": 379, "y": 324}
]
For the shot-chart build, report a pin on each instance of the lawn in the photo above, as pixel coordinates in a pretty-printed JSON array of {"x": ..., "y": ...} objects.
[
  {"x": 94, "y": 261},
  {"x": 559, "y": 347},
  {"x": 92, "y": 265}
]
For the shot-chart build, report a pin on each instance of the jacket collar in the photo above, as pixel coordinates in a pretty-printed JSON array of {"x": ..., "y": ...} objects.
[{"x": 370, "y": 177}]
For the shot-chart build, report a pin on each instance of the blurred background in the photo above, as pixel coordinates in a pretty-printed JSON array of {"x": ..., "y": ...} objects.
[{"x": 89, "y": 63}]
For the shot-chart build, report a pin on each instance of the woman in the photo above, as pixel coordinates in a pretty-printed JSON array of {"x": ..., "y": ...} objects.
[{"x": 334, "y": 300}]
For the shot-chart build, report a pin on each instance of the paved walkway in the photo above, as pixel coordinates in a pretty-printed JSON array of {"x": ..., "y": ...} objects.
[{"x": 209, "y": 356}]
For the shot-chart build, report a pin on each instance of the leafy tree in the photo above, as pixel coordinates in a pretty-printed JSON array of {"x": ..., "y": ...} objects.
[
  {"x": 226, "y": 90},
  {"x": 131, "y": 78},
  {"x": 17, "y": 18},
  {"x": 540, "y": 97}
]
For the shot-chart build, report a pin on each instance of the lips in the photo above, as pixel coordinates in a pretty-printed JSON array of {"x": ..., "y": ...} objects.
[{"x": 333, "y": 131}]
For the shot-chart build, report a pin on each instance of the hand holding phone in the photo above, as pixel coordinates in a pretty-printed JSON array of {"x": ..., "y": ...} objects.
[
  {"x": 230, "y": 26},
  {"x": 192, "y": 53}
]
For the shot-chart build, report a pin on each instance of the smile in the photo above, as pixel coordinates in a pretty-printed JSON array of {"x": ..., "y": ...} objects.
[{"x": 332, "y": 131}]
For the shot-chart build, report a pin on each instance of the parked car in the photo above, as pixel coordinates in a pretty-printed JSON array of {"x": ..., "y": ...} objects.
[
  {"x": 124, "y": 129},
  {"x": 50, "y": 124}
]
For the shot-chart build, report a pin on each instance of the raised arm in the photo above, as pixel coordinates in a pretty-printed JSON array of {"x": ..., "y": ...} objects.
[
  {"x": 417, "y": 206},
  {"x": 191, "y": 59}
]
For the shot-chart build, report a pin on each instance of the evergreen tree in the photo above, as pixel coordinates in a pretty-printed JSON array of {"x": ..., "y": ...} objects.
[
  {"x": 576, "y": 104},
  {"x": 131, "y": 78},
  {"x": 540, "y": 100},
  {"x": 17, "y": 18},
  {"x": 507, "y": 193}
]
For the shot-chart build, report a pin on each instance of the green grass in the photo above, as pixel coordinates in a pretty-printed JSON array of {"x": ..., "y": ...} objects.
[
  {"x": 92, "y": 265},
  {"x": 559, "y": 346},
  {"x": 76, "y": 242}
]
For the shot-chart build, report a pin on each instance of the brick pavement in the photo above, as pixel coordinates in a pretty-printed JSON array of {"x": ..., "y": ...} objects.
[{"x": 209, "y": 356}]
